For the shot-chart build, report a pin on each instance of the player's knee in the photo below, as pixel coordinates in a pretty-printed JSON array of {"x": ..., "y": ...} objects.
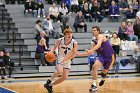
[
  {"x": 59, "y": 72},
  {"x": 94, "y": 67},
  {"x": 103, "y": 75},
  {"x": 65, "y": 77}
]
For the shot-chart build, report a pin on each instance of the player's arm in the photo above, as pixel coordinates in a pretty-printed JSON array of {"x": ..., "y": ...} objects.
[
  {"x": 73, "y": 54},
  {"x": 98, "y": 45},
  {"x": 85, "y": 53},
  {"x": 57, "y": 43}
]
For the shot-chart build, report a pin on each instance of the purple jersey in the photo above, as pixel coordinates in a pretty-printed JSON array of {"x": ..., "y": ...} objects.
[
  {"x": 106, "y": 54},
  {"x": 106, "y": 49}
]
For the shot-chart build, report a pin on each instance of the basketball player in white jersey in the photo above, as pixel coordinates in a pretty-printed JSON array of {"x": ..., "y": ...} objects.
[{"x": 67, "y": 49}]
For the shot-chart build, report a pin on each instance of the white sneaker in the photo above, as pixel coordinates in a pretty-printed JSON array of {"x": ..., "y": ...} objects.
[
  {"x": 38, "y": 16},
  {"x": 44, "y": 16},
  {"x": 93, "y": 88}
]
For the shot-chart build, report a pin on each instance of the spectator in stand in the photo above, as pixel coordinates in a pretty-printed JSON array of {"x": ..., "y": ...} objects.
[
  {"x": 105, "y": 7},
  {"x": 114, "y": 12},
  {"x": 115, "y": 42},
  {"x": 130, "y": 13},
  {"x": 123, "y": 6},
  {"x": 96, "y": 12},
  {"x": 41, "y": 9},
  {"x": 135, "y": 5},
  {"x": 30, "y": 8},
  {"x": 123, "y": 30},
  {"x": 38, "y": 29},
  {"x": 81, "y": 4},
  {"x": 86, "y": 12},
  {"x": 68, "y": 5},
  {"x": 7, "y": 60},
  {"x": 131, "y": 36},
  {"x": 54, "y": 12},
  {"x": 2, "y": 66},
  {"x": 48, "y": 27},
  {"x": 136, "y": 25},
  {"x": 40, "y": 51},
  {"x": 63, "y": 13},
  {"x": 79, "y": 22},
  {"x": 74, "y": 6},
  {"x": 116, "y": 1}
]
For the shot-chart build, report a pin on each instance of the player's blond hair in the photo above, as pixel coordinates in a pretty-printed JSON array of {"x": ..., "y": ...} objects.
[{"x": 68, "y": 30}]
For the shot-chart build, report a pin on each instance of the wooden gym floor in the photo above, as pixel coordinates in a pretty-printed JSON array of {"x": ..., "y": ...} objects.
[{"x": 129, "y": 83}]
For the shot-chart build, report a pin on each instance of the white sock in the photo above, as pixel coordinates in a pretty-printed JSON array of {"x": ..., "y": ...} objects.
[{"x": 94, "y": 82}]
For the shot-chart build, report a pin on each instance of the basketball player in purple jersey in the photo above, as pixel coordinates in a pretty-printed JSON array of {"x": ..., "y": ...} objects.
[{"x": 106, "y": 56}]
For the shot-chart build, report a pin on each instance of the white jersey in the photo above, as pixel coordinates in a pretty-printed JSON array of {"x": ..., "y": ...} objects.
[{"x": 65, "y": 50}]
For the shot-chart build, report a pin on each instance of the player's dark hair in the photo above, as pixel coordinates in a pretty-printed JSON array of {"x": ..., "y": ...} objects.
[{"x": 98, "y": 28}]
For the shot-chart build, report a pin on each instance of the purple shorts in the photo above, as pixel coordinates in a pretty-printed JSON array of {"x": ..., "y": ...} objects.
[{"x": 107, "y": 61}]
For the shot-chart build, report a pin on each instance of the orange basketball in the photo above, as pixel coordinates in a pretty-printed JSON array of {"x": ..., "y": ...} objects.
[{"x": 50, "y": 57}]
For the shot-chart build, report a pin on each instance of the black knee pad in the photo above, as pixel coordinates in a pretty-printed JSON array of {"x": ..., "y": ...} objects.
[{"x": 103, "y": 75}]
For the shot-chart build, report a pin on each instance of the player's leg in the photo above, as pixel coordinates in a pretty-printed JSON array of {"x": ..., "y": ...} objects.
[
  {"x": 62, "y": 78},
  {"x": 107, "y": 66},
  {"x": 59, "y": 70},
  {"x": 95, "y": 67},
  {"x": 103, "y": 74}
]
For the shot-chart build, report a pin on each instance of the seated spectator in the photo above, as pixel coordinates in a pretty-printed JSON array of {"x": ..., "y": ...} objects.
[
  {"x": 38, "y": 29},
  {"x": 41, "y": 9},
  {"x": 39, "y": 33},
  {"x": 54, "y": 12},
  {"x": 136, "y": 25},
  {"x": 74, "y": 6},
  {"x": 2, "y": 66},
  {"x": 40, "y": 51},
  {"x": 116, "y": 1},
  {"x": 123, "y": 6},
  {"x": 130, "y": 13},
  {"x": 135, "y": 56},
  {"x": 79, "y": 22},
  {"x": 96, "y": 12},
  {"x": 9, "y": 64},
  {"x": 135, "y": 5},
  {"x": 63, "y": 13},
  {"x": 30, "y": 8},
  {"x": 48, "y": 27},
  {"x": 122, "y": 32},
  {"x": 131, "y": 36},
  {"x": 86, "y": 12},
  {"x": 114, "y": 12},
  {"x": 115, "y": 42},
  {"x": 105, "y": 7}
]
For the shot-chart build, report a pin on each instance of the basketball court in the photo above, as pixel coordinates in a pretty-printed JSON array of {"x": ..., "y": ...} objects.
[{"x": 121, "y": 83}]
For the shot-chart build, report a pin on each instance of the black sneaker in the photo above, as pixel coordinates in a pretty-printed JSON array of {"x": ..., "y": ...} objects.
[
  {"x": 93, "y": 88},
  {"x": 101, "y": 82},
  {"x": 48, "y": 87}
]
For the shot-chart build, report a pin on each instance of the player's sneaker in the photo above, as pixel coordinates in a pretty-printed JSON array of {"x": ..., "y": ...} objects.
[
  {"x": 47, "y": 86},
  {"x": 93, "y": 88},
  {"x": 101, "y": 82}
]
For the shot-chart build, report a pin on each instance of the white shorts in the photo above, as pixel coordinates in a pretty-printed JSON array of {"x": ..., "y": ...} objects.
[{"x": 66, "y": 65}]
